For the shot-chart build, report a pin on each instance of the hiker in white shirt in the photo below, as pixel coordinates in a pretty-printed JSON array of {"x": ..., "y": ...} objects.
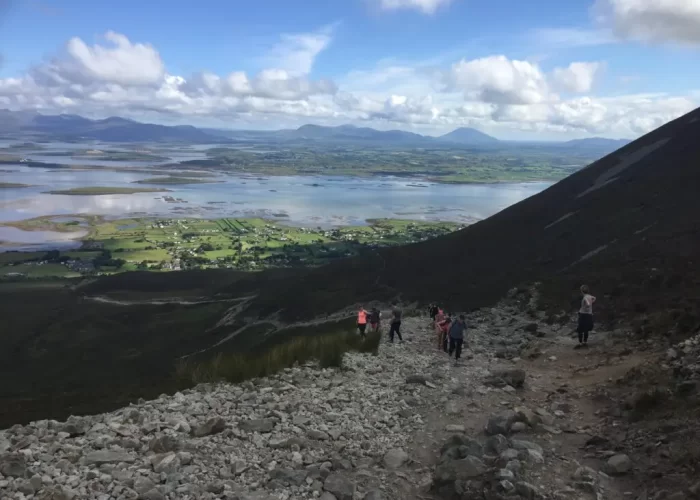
[{"x": 585, "y": 317}]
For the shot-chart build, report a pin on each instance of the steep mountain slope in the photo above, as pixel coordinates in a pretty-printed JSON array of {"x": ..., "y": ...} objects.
[
  {"x": 626, "y": 224},
  {"x": 470, "y": 136}
]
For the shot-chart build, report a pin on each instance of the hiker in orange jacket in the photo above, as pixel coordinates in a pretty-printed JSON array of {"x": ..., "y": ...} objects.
[{"x": 362, "y": 321}]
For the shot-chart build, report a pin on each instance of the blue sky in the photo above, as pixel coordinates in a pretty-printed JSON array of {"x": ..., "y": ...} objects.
[{"x": 503, "y": 66}]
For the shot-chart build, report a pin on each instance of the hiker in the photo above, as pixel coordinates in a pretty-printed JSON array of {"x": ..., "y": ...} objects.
[
  {"x": 362, "y": 321},
  {"x": 374, "y": 317},
  {"x": 395, "y": 323},
  {"x": 443, "y": 329},
  {"x": 585, "y": 317},
  {"x": 433, "y": 310},
  {"x": 457, "y": 337}
]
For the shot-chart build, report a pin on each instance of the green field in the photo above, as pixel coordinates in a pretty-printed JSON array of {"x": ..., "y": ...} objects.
[
  {"x": 102, "y": 190},
  {"x": 12, "y": 185},
  {"x": 232, "y": 243}
]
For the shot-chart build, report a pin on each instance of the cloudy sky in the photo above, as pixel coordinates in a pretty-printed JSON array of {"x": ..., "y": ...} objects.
[{"x": 538, "y": 69}]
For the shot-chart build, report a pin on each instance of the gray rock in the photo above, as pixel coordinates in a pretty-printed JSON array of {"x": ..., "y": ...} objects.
[
  {"x": 526, "y": 490},
  {"x": 505, "y": 474},
  {"x": 165, "y": 462},
  {"x": 416, "y": 379},
  {"x": 289, "y": 476},
  {"x": 13, "y": 465},
  {"x": 262, "y": 425},
  {"x": 497, "y": 444},
  {"x": 461, "y": 446},
  {"x": 393, "y": 459},
  {"x": 108, "y": 457},
  {"x": 534, "y": 456},
  {"x": 25, "y": 487},
  {"x": 328, "y": 496},
  {"x": 506, "y": 376},
  {"x": 163, "y": 444},
  {"x": 318, "y": 435},
  {"x": 153, "y": 494},
  {"x": 57, "y": 493},
  {"x": 526, "y": 445},
  {"x": 375, "y": 495},
  {"x": 340, "y": 486},
  {"x": 142, "y": 485},
  {"x": 518, "y": 427},
  {"x": 454, "y": 428},
  {"x": 459, "y": 470},
  {"x": 619, "y": 464},
  {"x": 212, "y": 426},
  {"x": 500, "y": 424}
]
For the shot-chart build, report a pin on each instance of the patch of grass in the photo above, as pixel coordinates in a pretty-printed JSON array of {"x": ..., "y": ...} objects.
[
  {"x": 327, "y": 349},
  {"x": 102, "y": 190},
  {"x": 12, "y": 185}
]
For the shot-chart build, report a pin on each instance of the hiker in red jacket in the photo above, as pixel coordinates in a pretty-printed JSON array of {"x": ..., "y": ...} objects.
[
  {"x": 443, "y": 328},
  {"x": 362, "y": 321}
]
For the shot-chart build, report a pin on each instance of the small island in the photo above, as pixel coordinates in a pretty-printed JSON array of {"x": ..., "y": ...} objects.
[
  {"x": 12, "y": 185},
  {"x": 174, "y": 180},
  {"x": 101, "y": 190}
]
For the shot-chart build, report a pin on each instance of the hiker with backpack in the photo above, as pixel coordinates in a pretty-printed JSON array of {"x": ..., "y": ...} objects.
[
  {"x": 585, "y": 317},
  {"x": 395, "y": 327},
  {"x": 456, "y": 335}
]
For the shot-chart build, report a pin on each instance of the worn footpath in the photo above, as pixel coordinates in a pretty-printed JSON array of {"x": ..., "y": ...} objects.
[{"x": 507, "y": 422}]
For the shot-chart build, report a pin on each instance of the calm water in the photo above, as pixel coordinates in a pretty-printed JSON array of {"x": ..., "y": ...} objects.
[{"x": 298, "y": 200}]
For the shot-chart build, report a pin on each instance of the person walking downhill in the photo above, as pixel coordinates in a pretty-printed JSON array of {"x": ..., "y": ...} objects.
[
  {"x": 374, "y": 317},
  {"x": 457, "y": 330},
  {"x": 395, "y": 323},
  {"x": 443, "y": 329},
  {"x": 362, "y": 321},
  {"x": 585, "y": 317}
]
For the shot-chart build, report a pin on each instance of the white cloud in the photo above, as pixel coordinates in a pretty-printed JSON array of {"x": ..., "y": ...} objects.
[
  {"x": 578, "y": 76},
  {"x": 499, "y": 95},
  {"x": 296, "y": 53},
  {"x": 498, "y": 80},
  {"x": 652, "y": 20},
  {"x": 571, "y": 37},
  {"x": 123, "y": 62},
  {"x": 424, "y": 6}
]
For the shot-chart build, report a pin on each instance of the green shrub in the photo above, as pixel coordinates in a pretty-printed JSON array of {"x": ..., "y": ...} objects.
[{"x": 327, "y": 349}]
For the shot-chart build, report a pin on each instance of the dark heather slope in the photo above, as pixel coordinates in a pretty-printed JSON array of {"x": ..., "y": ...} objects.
[{"x": 626, "y": 224}]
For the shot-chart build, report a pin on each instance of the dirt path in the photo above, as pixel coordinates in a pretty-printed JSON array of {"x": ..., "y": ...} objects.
[{"x": 561, "y": 384}]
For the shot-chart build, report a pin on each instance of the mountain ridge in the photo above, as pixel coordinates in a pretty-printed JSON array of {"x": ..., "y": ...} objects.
[{"x": 118, "y": 129}]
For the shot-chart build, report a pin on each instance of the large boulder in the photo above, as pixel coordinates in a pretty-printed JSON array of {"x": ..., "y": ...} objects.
[
  {"x": 514, "y": 377},
  {"x": 459, "y": 470},
  {"x": 212, "y": 426},
  {"x": 13, "y": 465},
  {"x": 500, "y": 424},
  {"x": 619, "y": 464},
  {"x": 262, "y": 425},
  {"x": 395, "y": 458},
  {"x": 339, "y": 485}
]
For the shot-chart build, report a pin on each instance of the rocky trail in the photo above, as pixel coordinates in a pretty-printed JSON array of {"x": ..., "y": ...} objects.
[{"x": 519, "y": 417}]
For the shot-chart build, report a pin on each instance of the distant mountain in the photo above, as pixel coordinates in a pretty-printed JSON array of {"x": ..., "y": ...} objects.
[
  {"x": 351, "y": 133},
  {"x": 466, "y": 135},
  {"x": 113, "y": 129},
  {"x": 598, "y": 142}
]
